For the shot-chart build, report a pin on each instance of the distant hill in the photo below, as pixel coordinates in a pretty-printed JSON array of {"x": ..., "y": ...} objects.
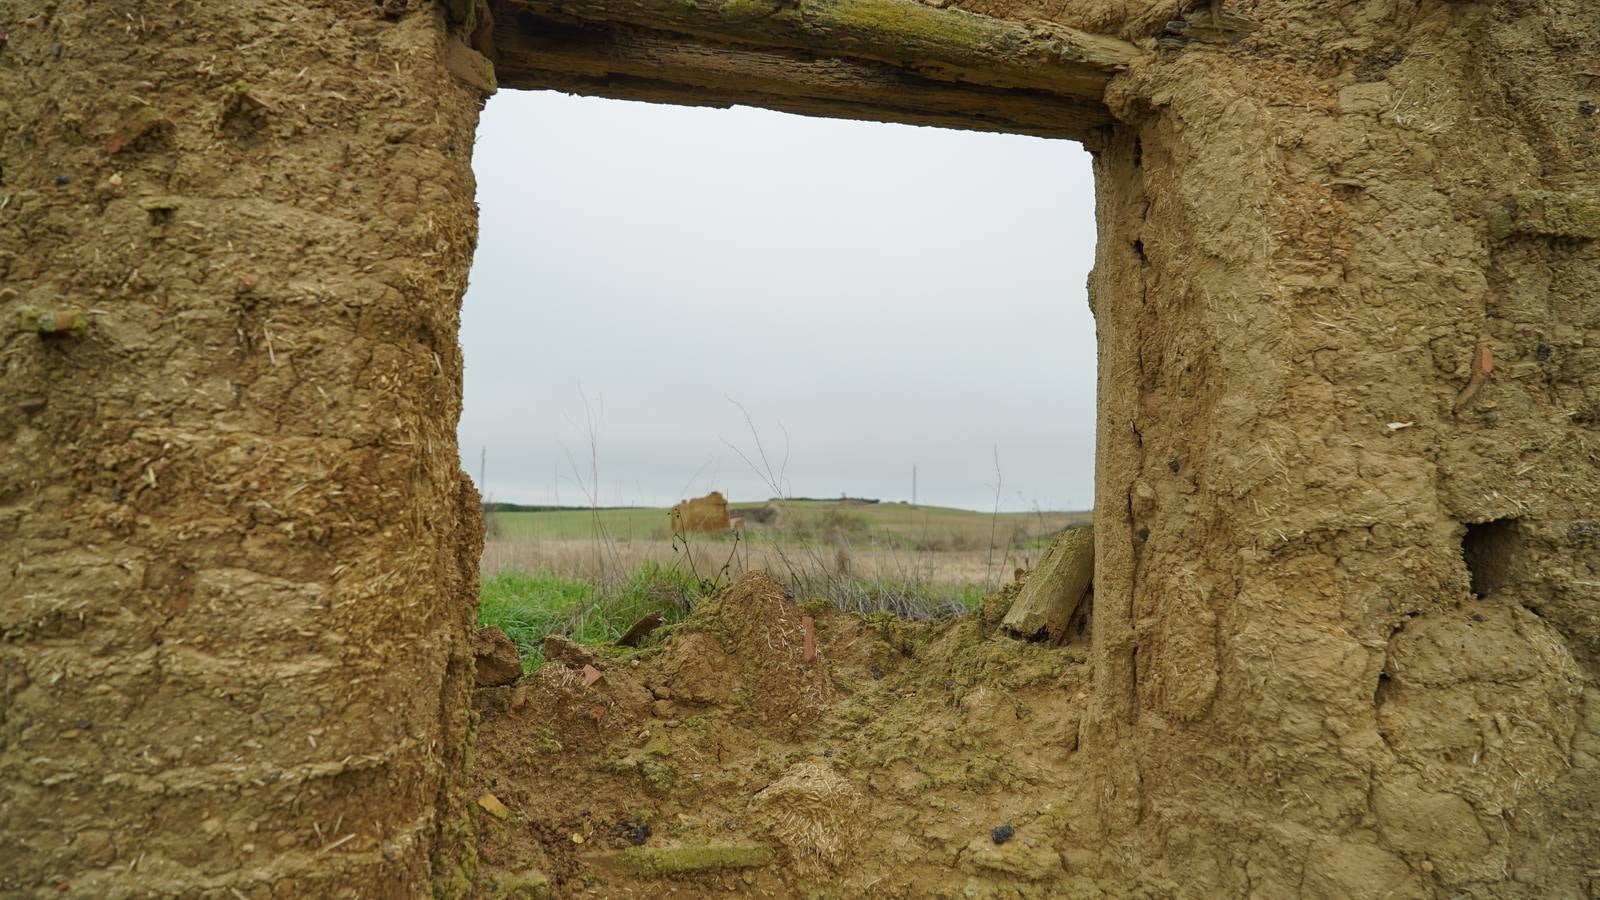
[
  {"x": 497, "y": 506},
  {"x": 861, "y": 519}
]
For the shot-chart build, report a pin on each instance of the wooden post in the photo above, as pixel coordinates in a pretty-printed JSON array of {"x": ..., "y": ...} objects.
[{"x": 1059, "y": 585}]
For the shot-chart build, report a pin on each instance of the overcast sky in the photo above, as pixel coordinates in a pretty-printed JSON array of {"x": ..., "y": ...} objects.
[{"x": 876, "y": 296}]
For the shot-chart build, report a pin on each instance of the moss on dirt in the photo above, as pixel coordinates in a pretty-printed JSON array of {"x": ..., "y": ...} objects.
[
  {"x": 652, "y": 763},
  {"x": 458, "y": 832},
  {"x": 995, "y": 606},
  {"x": 912, "y": 25},
  {"x": 746, "y": 10},
  {"x": 529, "y": 885},
  {"x": 898, "y": 639},
  {"x": 1553, "y": 214},
  {"x": 658, "y": 861}
]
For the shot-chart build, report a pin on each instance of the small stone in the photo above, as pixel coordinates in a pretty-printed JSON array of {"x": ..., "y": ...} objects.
[
  {"x": 1587, "y": 108},
  {"x": 1144, "y": 534},
  {"x": 662, "y": 708},
  {"x": 877, "y": 673},
  {"x": 62, "y": 180},
  {"x": 1002, "y": 833},
  {"x": 1544, "y": 352},
  {"x": 661, "y": 692},
  {"x": 52, "y": 322},
  {"x": 492, "y": 805},
  {"x": 1172, "y": 464},
  {"x": 355, "y": 188}
]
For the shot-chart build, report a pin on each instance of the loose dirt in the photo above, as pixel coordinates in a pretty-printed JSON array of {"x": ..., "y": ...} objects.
[{"x": 881, "y": 768}]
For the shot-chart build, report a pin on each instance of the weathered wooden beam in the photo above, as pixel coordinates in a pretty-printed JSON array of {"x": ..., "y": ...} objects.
[
  {"x": 632, "y": 63},
  {"x": 1056, "y": 589},
  {"x": 948, "y": 44},
  {"x": 894, "y": 55}
]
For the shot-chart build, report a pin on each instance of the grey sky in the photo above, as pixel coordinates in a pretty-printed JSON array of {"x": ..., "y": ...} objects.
[{"x": 876, "y": 296}]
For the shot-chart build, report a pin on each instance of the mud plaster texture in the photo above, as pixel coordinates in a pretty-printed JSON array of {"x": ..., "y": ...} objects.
[
  {"x": 1296, "y": 691},
  {"x": 239, "y": 555}
]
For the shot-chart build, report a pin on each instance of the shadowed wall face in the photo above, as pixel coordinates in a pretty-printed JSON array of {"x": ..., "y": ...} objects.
[{"x": 237, "y": 558}]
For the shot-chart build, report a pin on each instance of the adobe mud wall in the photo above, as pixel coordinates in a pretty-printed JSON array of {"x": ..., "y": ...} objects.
[
  {"x": 1348, "y": 298},
  {"x": 237, "y": 555},
  {"x": 1310, "y": 235}
]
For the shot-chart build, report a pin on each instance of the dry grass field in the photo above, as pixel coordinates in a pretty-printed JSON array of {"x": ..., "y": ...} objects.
[{"x": 892, "y": 542}]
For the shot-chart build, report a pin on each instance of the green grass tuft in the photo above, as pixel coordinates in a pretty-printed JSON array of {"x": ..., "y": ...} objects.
[{"x": 530, "y": 605}]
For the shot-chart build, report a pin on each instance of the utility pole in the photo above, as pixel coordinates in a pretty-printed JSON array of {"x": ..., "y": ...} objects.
[
  {"x": 913, "y": 484},
  {"x": 483, "y": 471}
]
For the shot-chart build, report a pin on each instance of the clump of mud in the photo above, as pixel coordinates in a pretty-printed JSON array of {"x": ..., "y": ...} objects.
[
  {"x": 725, "y": 758},
  {"x": 743, "y": 647},
  {"x": 813, "y": 812}
]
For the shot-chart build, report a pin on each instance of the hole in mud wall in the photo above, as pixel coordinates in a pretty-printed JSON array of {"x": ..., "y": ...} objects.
[
  {"x": 866, "y": 347},
  {"x": 1490, "y": 549}
]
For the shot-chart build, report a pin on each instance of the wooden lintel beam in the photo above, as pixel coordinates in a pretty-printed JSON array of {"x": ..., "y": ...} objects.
[
  {"x": 631, "y": 63},
  {"x": 939, "y": 44}
]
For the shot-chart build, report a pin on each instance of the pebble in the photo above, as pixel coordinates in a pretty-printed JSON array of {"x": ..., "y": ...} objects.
[
  {"x": 877, "y": 673},
  {"x": 1002, "y": 833},
  {"x": 62, "y": 180}
]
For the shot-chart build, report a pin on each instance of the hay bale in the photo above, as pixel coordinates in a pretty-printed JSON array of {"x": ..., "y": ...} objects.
[{"x": 701, "y": 514}]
